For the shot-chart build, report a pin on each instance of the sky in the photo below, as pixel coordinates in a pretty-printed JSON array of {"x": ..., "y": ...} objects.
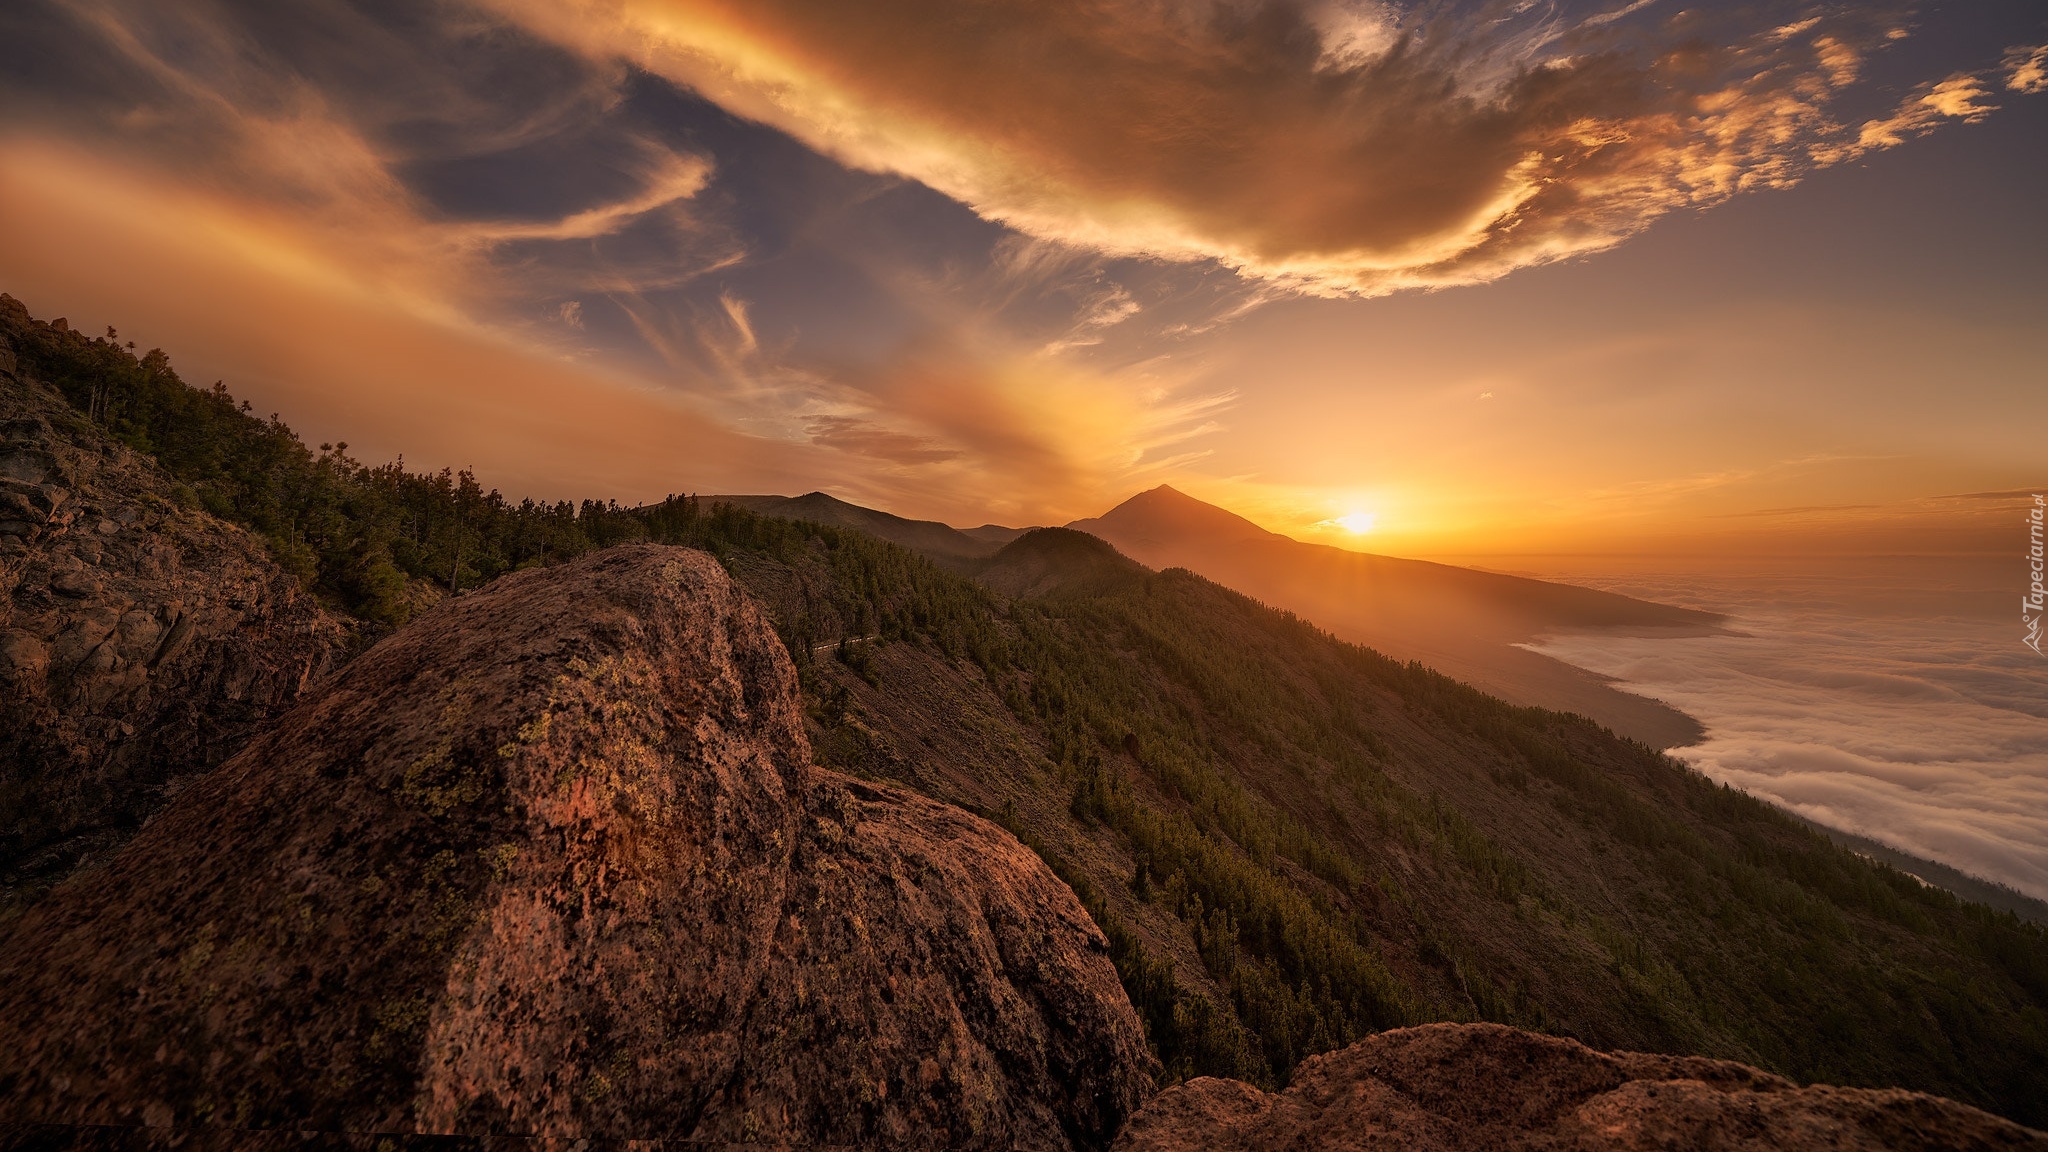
[{"x": 1444, "y": 278}]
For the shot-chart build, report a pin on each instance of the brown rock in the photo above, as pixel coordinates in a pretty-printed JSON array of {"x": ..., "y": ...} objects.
[
  {"x": 76, "y": 584},
  {"x": 1487, "y": 1088},
  {"x": 22, "y": 656},
  {"x": 24, "y": 464},
  {"x": 139, "y": 633},
  {"x": 554, "y": 860},
  {"x": 104, "y": 714}
]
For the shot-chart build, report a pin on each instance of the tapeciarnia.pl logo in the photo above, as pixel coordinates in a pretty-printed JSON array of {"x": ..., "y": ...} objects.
[{"x": 2032, "y": 603}]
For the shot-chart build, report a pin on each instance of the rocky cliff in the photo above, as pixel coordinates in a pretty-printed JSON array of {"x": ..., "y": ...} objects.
[
  {"x": 141, "y": 642},
  {"x": 1486, "y": 1088},
  {"x": 554, "y": 860}
]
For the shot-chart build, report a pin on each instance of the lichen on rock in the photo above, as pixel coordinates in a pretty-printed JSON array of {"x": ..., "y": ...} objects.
[
  {"x": 1488, "y": 1088},
  {"x": 554, "y": 860}
]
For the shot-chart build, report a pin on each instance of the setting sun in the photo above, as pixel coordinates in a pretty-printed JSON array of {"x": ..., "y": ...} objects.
[{"x": 1356, "y": 523}]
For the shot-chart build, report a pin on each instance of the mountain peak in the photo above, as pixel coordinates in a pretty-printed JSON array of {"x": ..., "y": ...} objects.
[{"x": 1166, "y": 513}]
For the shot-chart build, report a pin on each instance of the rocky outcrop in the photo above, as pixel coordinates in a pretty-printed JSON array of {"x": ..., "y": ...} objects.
[
  {"x": 554, "y": 860},
  {"x": 1486, "y": 1088},
  {"x": 140, "y": 642}
]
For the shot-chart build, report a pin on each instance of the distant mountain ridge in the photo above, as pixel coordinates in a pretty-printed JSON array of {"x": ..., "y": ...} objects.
[
  {"x": 939, "y": 541},
  {"x": 1463, "y": 621},
  {"x": 1165, "y": 519}
]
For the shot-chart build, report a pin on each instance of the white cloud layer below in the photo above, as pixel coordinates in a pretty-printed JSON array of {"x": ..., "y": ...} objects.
[{"x": 1861, "y": 703}]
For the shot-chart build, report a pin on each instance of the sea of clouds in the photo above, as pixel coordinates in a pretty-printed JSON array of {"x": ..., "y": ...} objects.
[{"x": 1891, "y": 698}]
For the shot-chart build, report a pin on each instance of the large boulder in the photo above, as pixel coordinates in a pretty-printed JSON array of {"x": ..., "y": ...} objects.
[
  {"x": 1486, "y": 1088},
  {"x": 141, "y": 641},
  {"x": 554, "y": 861}
]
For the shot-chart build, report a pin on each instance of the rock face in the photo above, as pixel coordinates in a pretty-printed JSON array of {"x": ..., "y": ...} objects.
[
  {"x": 1486, "y": 1088},
  {"x": 140, "y": 642},
  {"x": 554, "y": 860}
]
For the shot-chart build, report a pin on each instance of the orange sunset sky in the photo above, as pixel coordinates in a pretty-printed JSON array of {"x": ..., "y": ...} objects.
[{"x": 1478, "y": 278}]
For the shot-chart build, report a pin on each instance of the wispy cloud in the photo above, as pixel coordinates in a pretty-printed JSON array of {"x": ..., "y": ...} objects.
[
  {"x": 668, "y": 181},
  {"x": 214, "y": 113},
  {"x": 298, "y": 329},
  {"x": 1029, "y": 434},
  {"x": 864, "y": 438},
  {"x": 2027, "y": 69},
  {"x": 1961, "y": 98},
  {"x": 266, "y": 229}
]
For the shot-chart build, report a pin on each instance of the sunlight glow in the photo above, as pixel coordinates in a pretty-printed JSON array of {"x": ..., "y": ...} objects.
[{"x": 1356, "y": 523}]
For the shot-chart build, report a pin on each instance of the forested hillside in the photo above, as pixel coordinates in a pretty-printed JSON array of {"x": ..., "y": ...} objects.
[
  {"x": 353, "y": 533},
  {"x": 1290, "y": 841}
]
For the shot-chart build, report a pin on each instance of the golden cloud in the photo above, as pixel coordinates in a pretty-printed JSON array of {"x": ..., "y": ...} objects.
[
  {"x": 1317, "y": 145},
  {"x": 975, "y": 428},
  {"x": 256, "y": 229},
  {"x": 352, "y": 339},
  {"x": 2027, "y": 69},
  {"x": 352, "y": 346},
  {"x": 1961, "y": 98}
]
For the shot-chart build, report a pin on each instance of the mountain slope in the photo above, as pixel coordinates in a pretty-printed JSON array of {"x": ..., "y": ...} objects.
[
  {"x": 142, "y": 640},
  {"x": 1292, "y": 842},
  {"x": 1461, "y": 621}
]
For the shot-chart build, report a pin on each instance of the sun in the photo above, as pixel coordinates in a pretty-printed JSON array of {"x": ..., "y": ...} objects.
[{"x": 1356, "y": 523}]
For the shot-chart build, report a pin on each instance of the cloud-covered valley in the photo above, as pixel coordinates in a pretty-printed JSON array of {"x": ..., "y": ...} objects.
[{"x": 1847, "y": 697}]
